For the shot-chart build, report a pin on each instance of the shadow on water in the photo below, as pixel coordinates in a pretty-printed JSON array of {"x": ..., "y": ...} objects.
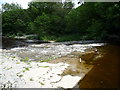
[
  {"x": 105, "y": 73},
  {"x": 8, "y": 43}
]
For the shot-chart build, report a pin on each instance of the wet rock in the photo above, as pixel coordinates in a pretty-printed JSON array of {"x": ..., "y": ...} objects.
[
  {"x": 88, "y": 56},
  {"x": 8, "y": 43},
  {"x": 68, "y": 81},
  {"x": 36, "y": 41}
]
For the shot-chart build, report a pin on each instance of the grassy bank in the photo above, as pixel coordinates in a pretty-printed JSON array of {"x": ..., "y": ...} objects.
[{"x": 72, "y": 37}]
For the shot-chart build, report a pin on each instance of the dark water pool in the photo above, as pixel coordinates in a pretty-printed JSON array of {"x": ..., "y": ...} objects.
[{"x": 105, "y": 73}]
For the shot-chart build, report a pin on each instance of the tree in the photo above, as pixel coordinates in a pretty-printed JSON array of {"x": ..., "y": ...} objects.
[
  {"x": 37, "y": 8},
  {"x": 42, "y": 24},
  {"x": 12, "y": 6},
  {"x": 15, "y": 21},
  {"x": 54, "y": 12},
  {"x": 95, "y": 21}
]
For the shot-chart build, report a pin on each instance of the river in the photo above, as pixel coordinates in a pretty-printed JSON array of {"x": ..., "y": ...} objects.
[
  {"x": 105, "y": 73},
  {"x": 94, "y": 64}
]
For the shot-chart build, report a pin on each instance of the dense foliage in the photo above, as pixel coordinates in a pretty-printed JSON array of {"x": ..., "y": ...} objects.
[{"x": 60, "y": 21}]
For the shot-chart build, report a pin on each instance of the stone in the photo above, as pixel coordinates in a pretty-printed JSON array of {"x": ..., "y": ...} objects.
[
  {"x": 87, "y": 56},
  {"x": 68, "y": 81}
]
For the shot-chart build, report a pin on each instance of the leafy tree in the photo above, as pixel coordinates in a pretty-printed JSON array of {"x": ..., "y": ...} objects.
[
  {"x": 56, "y": 13},
  {"x": 99, "y": 21},
  {"x": 95, "y": 21},
  {"x": 42, "y": 24},
  {"x": 15, "y": 21},
  {"x": 37, "y": 8},
  {"x": 12, "y": 6},
  {"x": 57, "y": 25}
]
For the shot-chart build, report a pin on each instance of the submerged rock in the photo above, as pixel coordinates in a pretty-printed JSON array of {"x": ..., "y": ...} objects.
[{"x": 88, "y": 56}]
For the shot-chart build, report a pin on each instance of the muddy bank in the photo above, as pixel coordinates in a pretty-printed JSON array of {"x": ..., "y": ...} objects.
[{"x": 105, "y": 73}]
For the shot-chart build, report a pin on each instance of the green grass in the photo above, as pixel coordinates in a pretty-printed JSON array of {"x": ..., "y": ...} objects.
[
  {"x": 41, "y": 83},
  {"x": 17, "y": 62},
  {"x": 46, "y": 60},
  {"x": 71, "y": 37},
  {"x": 13, "y": 56},
  {"x": 44, "y": 66},
  {"x": 23, "y": 70},
  {"x": 20, "y": 75},
  {"x": 27, "y": 69},
  {"x": 46, "y": 38},
  {"x": 31, "y": 79},
  {"x": 9, "y": 68},
  {"x": 25, "y": 59},
  {"x": 13, "y": 35}
]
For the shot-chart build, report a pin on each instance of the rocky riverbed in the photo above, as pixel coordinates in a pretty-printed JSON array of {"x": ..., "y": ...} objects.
[{"x": 47, "y": 65}]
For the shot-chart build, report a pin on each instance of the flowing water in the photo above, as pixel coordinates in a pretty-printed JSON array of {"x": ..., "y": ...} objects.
[
  {"x": 96, "y": 63},
  {"x": 105, "y": 73}
]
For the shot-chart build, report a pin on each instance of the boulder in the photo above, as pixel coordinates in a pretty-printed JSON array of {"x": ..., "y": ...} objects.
[{"x": 88, "y": 56}]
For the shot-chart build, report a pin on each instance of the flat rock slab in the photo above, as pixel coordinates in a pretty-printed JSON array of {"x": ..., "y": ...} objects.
[
  {"x": 63, "y": 72},
  {"x": 76, "y": 70},
  {"x": 17, "y": 74},
  {"x": 68, "y": 81}
]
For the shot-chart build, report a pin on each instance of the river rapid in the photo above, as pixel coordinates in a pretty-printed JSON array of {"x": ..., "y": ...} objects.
[{"x": 46, "y": 65}]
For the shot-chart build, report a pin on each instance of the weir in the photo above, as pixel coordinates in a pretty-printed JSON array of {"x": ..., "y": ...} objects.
[{"x": 44, "y": 60}]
